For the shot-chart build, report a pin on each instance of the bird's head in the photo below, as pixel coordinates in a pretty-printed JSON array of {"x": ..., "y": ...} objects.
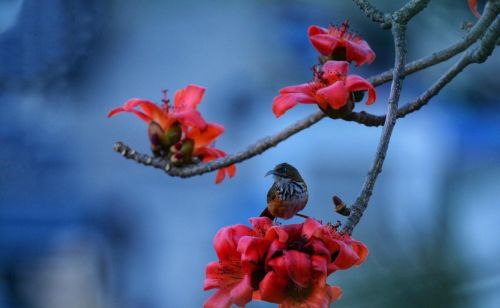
[{"x": 286, "y": 171}]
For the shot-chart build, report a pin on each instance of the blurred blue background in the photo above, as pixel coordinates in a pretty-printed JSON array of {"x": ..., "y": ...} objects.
[{"x": 82, "y": 227}]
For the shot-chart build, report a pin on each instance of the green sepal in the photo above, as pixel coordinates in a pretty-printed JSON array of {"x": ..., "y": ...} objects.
[
  {"x": 357, "y": 96},
  {"x": 171, "y": 137},
  {"x": 154, "y": 133},
  {"x": 338, "y": 113}
]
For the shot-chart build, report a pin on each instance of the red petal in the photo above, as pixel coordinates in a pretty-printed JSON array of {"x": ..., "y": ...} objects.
[
  {"x": 203, "y": 138},
  {"x": 221, "y": 175},
  {"x": 272, "y": 288},
  {"x": 261, "y": 224},
  {"x": 335, "y": 95},
  {"x": 304, "y": 88},
  {"x": 334, "y": 69},
  {"x": 212, "y": 276},
  {"x": 241, "y": 293},
  {"x": 220, "y": 299},
  {"x": 191, "y": 118},
  {"x": 226, "y": 241},
  {"x": 231, "y": 170},
  {"x": 274, "y": 251},
  {"x": 324, "y": 43},
  {"x": 299, "y": 267},
  {"x": 347, "y": 257},
  {"x": 473, "y": 7},
  {"x": 188, "y": 98},
  {"x": 252, "y": 249},
  {"x": 319, "y": 267},
  {"x": 277, "y": 233},
  {"x": 282, "y": 103},
  {"x": 319, "y": 247},
  {"x": 139, "y": 114},
  {"x": 314, "y": 30},
  {"x": 310, "y": 226},
  {"x": 360, "y": 52},
  {"x": 361, "y": 250},
  {"x": 321, "y": 297},
  {"x": 155, "y": 112},
  {"x": 356, "y": 83}
]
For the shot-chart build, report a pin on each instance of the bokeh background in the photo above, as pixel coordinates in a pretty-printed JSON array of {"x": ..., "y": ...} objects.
[{"x": 82, "y": 227}]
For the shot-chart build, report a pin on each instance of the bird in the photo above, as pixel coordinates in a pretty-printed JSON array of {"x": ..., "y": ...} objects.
[{"x": 288, "y": 194}]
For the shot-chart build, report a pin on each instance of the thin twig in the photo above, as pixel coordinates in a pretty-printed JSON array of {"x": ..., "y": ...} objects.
[
  {"x": 198, "y": 169},
  {"x": 480, "y": 54},
  {"x": 373, "y": 13},
  {"x": 490, "y": 12},
  {"x": 409, "y": 10},
  {"x": 399, "y": 34}
]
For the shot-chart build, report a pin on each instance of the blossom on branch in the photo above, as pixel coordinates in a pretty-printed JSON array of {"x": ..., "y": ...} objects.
[
  {"x": 337, "y": 43},
  {"x": 287, "y": 265},
  {"x": 331, "y": 87},
  {"x": 179, "y": 132}
]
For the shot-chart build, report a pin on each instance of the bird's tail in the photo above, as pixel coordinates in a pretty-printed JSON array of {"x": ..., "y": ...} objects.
[{"x": 266, "y": 213}]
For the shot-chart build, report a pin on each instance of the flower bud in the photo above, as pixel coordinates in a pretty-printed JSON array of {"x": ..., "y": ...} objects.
[
  {"x": 340, "y": 206},
  {"x": 182, "y": 152},
  {"x": 339, "y": 113},
  {"x": 172, "y": 136},
  {"x": 154, "y": 133}
]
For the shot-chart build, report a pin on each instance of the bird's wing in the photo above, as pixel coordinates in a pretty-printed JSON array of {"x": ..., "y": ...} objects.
[{"x": 271, "y": 194}]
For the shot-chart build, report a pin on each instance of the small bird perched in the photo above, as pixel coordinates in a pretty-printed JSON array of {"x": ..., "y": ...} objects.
[{"x": 288, "y": 194}]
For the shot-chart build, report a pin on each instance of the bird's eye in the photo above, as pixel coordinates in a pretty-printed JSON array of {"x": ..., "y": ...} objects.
[{"x": 284, "y": 170}]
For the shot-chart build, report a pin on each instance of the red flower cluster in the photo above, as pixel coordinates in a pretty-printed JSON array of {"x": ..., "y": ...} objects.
[
  {"x": 179, "y": 132},
  {"x": 287, "y": 265},
  {"x": 331, "y": 89}
]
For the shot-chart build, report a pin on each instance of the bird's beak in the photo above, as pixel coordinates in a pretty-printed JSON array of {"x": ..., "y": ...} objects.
[{"x": 269, "y": 172}]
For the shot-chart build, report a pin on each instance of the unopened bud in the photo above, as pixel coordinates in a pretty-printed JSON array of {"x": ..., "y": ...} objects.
[
  {"x": 154, "y": 133},
  {"x": 172, "y": 136},
  {"x": 339, "y": 113},
  {"x": 340, "y": 206}
]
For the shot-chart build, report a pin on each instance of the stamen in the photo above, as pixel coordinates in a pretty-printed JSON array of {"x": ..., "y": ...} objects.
[
  {"x": 165, "y": 99},
  {"x": 345, "y": 26}
]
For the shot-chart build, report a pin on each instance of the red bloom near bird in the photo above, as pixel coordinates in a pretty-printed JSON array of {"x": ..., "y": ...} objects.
[
  {"x": 331, "y": 87},
  {"x": 179, "y": 132},
  {"x": 338, "y": 43},
  {"x": 287, "y": 265}
]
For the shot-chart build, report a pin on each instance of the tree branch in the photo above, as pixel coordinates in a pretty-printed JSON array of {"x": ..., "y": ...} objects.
[
  {"x": 373, "y": 13},
  {"x": 399, "y": 34},
  {"x": 478, "y": 55},
  {"x": 410, "y": 9},
  {"x": 489, "y": 14},
  {"x": 201, "y": 168}
]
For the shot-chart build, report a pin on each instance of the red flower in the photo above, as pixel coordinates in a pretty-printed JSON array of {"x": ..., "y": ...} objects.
[
  {"x": 473, "y": 7},
  {"x": 238, "y": 251},
  {"x": 339, "y": 44},
  {"x": 331, "y": 87},
  {"x": 287, "y": 265},
  {"x": 300, "y": 257},
  {"x": 184, "y": 109},
  {"x": 179, "y": 132}
]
